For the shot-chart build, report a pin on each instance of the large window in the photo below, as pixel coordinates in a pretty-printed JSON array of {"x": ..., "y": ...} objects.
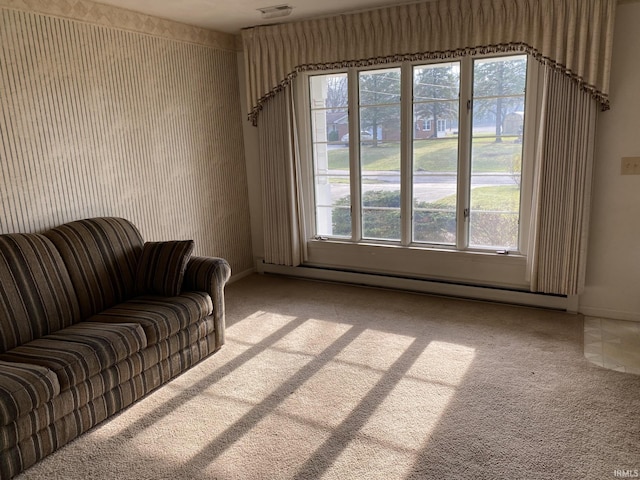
[{"x": 421, "y": 155}]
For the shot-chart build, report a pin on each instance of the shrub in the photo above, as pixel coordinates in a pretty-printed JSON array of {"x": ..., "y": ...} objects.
[
  {"x": 430, "y": 225},
  {"x": 433, "y": 222}
]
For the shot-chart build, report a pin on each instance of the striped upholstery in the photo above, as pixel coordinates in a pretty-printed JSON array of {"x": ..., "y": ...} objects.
[
  {"x": 207, "y": 274},
  {"x": 69, "y": 401},
  {"x": 84, "y": 392},
  {"x": 81, "y": 351},
  {"x": 36, "y": 295},
  {"x": 62, "y": 431},
  {"x": 161, "y": 268},
  {"x": 210, "y": 274},
  {"x": 160, "y": 317},
  {"x": 102, "y": 257},
  {"x": 23, "y": 388}
]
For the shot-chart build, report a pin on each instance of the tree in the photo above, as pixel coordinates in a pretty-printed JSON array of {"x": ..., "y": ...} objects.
[
  {"x": 498, "y": 89},
  {"x": 337, "y": 93},
  {"x": 379, "y": 101}
]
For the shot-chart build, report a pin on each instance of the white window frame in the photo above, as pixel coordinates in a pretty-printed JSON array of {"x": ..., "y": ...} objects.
[{"x": 405, "y": 258}]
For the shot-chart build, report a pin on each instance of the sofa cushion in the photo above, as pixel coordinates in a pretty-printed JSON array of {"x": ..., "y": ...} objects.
[
  {"x": 37, "y": 296},
  {"x": 162, "y": 266},
  {"x": 160, "y": 317},
  {"x": 102, "y": 257},
  {"x": 23, "y": 388},
  {"x": 81, "y": 351}
]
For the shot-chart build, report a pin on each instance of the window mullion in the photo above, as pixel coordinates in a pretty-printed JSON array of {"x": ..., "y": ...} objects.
[
  {"x": 464, "y": 153},
  {"x": 406, "y": 153},
  {"x": 354, "y": 155}
]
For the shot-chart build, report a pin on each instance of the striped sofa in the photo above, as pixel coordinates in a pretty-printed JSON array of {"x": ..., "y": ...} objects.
[{"x": 92, "y": 319}]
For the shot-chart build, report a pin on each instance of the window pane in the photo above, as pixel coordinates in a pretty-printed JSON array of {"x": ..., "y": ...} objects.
[
  {"x": 495, "y": 193},
  {"x": 502, "y": 116},
  {"x": 435, "y": 152},
  {"x": 497, "y": 159},
  {"x": 380, "y": 153},
  {"x": 434, "y": 223},
  {"x": 439, "y": 81},
  {"x": 329, "y": 91},
  {"x": 493, "y": 229},
  {"x": 333, "y": 205},
  {"x": 381, "y": 194},
  {"x": 379, "y": 87},
  {"x": 330, "y": 126},
  {"x": 334, "y": 221},
  {"x": 379, "y": 124},
  {"x": 329, "y": 123},
  {"x": 381, "y": 209},
  {"x": 499, "y": 76},
  {"x": 496, "y": 152}
]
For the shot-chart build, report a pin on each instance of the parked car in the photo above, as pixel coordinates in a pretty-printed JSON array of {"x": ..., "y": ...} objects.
[{"x": 364, "y": 137}]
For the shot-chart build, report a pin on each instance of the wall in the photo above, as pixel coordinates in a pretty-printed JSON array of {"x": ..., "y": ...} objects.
[
  {"x": 251, "y": 148},
  {"x": 613, "y": 266},
  {"x": 109, "y": 112}
]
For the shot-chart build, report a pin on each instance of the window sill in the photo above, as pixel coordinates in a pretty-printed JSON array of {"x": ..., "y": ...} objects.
[
  {"x": 483, "y": 268},
  {"x": 421, "y": 247}
]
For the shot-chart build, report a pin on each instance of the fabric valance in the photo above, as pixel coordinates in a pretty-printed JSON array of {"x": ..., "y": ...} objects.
[{"x": 572, "y": 36}]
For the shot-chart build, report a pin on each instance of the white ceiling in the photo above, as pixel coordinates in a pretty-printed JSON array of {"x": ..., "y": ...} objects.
[{"x": 232, "y": 15}]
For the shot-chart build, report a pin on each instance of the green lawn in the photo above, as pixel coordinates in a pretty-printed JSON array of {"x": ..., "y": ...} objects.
[
  {"x": 500, "y": 197},
  {"x": 437, "y": 155}
]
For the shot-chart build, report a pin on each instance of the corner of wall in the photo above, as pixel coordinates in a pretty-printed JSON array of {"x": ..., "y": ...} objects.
[{"x": 612, "y": 287}]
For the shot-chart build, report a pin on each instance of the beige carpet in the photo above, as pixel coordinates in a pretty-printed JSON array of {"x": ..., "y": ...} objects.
[{"x": 328, "y": 381}]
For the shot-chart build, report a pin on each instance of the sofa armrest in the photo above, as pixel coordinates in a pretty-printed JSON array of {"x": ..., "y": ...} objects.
[{"x": 210, "y": 274}]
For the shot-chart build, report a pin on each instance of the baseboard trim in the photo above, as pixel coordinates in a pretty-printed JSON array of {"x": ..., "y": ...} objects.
[
  {"x": 422, "y": 286},
  {"x": 241, "y": 275},
  {"x": 609, "y": 313}
]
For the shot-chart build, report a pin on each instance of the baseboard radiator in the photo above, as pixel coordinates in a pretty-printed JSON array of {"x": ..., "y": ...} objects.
[{"x": 516, "y": 297}]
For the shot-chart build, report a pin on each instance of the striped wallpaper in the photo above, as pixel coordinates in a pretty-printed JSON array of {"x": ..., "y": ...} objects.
[
  {"x": 96, "y": 120},
  {"x": 89, "y": 11}
]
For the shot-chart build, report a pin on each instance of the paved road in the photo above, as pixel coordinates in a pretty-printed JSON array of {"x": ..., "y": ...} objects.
[{"x": 427, "y": 187}]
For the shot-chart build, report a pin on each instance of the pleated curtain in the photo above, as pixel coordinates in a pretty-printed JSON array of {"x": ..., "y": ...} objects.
[
  {"x": 573, "y": 36},
  {"x": 562, "y": 190},
  {"x": 279, "y": 165}
]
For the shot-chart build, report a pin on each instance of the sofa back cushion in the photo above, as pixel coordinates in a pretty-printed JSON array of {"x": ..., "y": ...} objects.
[
  {"x": 162, "y": 266},
  {"x": 36, "y": 293},
  {"x": 102, "y": 256}
]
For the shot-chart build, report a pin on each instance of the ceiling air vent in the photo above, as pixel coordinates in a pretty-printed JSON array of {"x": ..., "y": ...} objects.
[{"x": 276, "y": 11}]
